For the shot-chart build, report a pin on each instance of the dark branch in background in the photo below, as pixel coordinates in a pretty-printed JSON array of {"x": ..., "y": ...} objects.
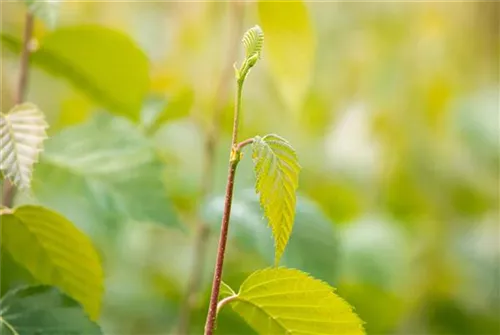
[
  {"x": 212, "y": 137},
  {"x": 8, "y": 188}
]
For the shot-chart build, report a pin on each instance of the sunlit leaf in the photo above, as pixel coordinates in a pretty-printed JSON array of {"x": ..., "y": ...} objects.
[
  {"x": 22, "y": 132},
  {"x": 374, "y": 251},
  {"x": 277, "y": 172},
  {"x": 46, "y": 10},
  {"x": 103, "y": 171},
  {"x": 56, "y": 253},
  {"x": 288, "y": 301},
  {"x": 290, "y": 47},
  {"x": 43, "y": 310},
  {"x": 103, "y": 63}
]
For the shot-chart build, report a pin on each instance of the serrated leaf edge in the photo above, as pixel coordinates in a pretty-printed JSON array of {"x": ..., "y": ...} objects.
[
  {"x": 14, "y": 174},
  {"x": 292, "y": 196},
  {"x": 331, "y": 290}
]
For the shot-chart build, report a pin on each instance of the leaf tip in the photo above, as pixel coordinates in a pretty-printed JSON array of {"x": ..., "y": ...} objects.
[{"x": 253, "y": 40}]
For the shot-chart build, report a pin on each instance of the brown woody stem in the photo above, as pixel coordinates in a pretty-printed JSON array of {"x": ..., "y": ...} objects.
[
  {"x": 233, "y": 163},
  {"x": 221, "y": 249}
]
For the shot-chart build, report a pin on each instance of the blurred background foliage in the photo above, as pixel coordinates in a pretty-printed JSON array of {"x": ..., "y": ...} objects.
[{"x": 392, "y": 107}]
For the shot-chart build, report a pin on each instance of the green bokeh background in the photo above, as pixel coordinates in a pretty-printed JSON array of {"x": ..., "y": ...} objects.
[{"x": 396, "y": 125}]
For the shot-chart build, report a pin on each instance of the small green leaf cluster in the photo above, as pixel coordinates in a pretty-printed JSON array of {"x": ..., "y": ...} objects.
[{"x": 253, "y": 40}]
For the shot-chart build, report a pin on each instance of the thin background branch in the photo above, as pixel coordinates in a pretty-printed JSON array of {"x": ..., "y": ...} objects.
[
  {"x": 9, "y": 189},
  {"x": 236, "y": 11}
]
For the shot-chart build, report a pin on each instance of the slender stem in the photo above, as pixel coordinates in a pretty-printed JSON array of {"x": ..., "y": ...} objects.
[
  {"x": 8, "y": 189},
  {"x": 225, "y": 301},
  {"x": 221, "y": 249},
  {"x": 212, "y": 136},
  {"x": 243, "y": 144},
  {"x": 25, "y": 56},
  {"x": 237, "y": 113}
]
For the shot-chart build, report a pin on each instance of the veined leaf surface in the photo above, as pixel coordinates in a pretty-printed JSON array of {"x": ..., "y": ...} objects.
[
  {"x": 43, "y": 310},
  {"x": 277, "y": 172},
  {"x": 22, "y": 132},
  {"x": 290, "y": 302},
  {"x": 253, "y": 41},
  {"x": 55, "y": 252}
]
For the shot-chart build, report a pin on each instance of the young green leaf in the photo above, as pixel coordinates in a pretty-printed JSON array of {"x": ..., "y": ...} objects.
[
  {"x": 55, "y": 252},
  {"x": 22, "y": 132},
  {"x": 288, "y": 301},
  {"x": 253, "y": 41},
  {"x": 277, "y": 171},
  {"x": 43, "y": 310}
]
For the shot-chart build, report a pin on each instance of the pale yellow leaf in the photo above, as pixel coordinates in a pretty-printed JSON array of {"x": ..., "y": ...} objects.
[
  {"x": 290, "y": 302},
  {"x": 277, "y": 172}
]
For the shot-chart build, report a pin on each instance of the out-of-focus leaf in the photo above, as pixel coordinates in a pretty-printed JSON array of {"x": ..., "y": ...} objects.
[
  {"x": 476, "y": 120},
  {"x": 46, "y": 10},
  {"x": 12, "y": 274},
  {"x": 182, "y": 144},
  {"x": 288, "y": 301},
  {"x": 477, "y": 250},
  {"x": 374, "y": 251},
  {"x": 313, "y": 245},
  {"x": 277, "y": 177},
  {"x": 153, "y": 106},
  {"x": 56, "y": 253},
  {"x": 22, "y": 132},
  {"x": 103, "y": 63},
  {"x": 43, "y": 310},
  {"x": 290, "y": 47},
  {"x": 176, "y": 107},
  {"x": 103, "y": 170}
]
